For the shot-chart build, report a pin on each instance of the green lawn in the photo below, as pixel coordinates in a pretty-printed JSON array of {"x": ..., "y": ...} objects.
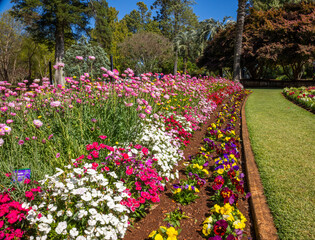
[{"x": 283, "y": 140}]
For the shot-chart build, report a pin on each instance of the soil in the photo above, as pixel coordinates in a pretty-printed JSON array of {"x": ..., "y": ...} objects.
[{"x": 197, "y": 211}]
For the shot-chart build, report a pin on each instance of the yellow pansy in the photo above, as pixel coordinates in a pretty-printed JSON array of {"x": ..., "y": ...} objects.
[
  {"x": 239, "y": 225},
  {"x": 152, "y": 234},
  {"x": 220, "y": 171},
  {"x": 171, "y": 232},
  {"x": 205, "y": 171},
  {"x": 206, "y": 230},
  {"x": 178, "y": 190},
  {"x": 196, "y": 190},
  {"x": 216, "y": 208},
  {"x": 158, "y": 237}
]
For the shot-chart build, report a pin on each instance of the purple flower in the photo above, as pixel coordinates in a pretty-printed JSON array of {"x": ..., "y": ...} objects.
[
  {"x": 238, "y": 232},
  {"x": 215, "y": 238},
  {"x": 248, "y": 195},
  {"x": 93, "y": 120},
  {"x": 231, "y": 237},
  {"x": 21, "y": 142},
  {"x": 50, "y": 136}
]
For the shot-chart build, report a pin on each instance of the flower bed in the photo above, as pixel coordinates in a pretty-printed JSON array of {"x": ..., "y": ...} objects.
[
  {"x": 304, "y": 96},
  {"x": 114, "y": 144}
]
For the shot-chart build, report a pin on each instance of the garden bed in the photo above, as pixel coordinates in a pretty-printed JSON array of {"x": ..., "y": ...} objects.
[{"x": 198, "y": 210}]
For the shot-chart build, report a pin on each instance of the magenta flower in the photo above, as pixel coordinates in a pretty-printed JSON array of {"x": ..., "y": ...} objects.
[
  {"x": 91, "y": 57},
  {"x": 57, "y": 155},
  {"x": 79, "y": 58},
  {"x": 1, "y": 142},
  {"x": 21, "y": 142}
]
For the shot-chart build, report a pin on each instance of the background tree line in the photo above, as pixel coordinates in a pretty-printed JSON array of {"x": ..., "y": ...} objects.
[{"x": 278, "y": 38}]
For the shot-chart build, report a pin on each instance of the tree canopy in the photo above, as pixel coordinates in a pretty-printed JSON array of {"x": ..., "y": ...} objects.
[{"x": 280, "y": 36}]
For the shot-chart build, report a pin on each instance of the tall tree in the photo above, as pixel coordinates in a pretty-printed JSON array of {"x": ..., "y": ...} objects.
[
  {"x": 52, "y": 21},
  {"x": 10, "y": 46},
  {"x": 173, "y": 16},
  {"x": 103, "y": 31},
  {"x": 238, "y": 39},
  {"x": 144, "y": 51},
  {"x": 140, "y": 20}
]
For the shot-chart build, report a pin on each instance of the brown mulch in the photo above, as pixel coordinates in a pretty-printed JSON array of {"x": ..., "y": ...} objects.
[{"x": 197, "y": 211}]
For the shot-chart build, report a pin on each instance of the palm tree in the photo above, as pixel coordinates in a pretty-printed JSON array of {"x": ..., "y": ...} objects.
[
  {"x": 185, "y": 44},
  {"x": 210, "y": 27},
  {"x": 238, "y": 40}
]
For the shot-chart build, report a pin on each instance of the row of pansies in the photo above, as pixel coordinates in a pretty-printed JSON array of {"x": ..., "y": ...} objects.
[
  {"x": 222, "y": 145},
  {"x": 128, "y": 134},
  {"x": 226, "y": 221},
  {"x": 303, "y": 95}
]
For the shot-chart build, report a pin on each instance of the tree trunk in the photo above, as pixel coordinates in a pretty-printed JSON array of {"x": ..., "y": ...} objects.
[
  {"x": 59, "y": 52},
  {"x": 238, "y": 40},
  {"x": 176, "y": 30},
  {"x": 176, "y": 61},
  {"x": 185, "y": 65}
]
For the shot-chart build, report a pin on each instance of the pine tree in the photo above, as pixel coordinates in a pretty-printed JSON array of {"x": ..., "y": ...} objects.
[
  {"x": 53, "y": 21},
  {"x": 103, "y": 31}
]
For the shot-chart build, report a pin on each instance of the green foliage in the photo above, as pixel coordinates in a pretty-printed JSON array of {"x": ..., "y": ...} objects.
[
  {"x": 140, "y": 20},
  {"x": 267, "y": 4},
  {"x": 103, "y": 31},
  {"x": 175, "y": 16},
  {"x": 185, "y": 192},
  {"x": 277, "y": 37},
  {"x": 42, "y": 17},
  {"x": 173, "y": 218},
  {"x": 74, "y": 67},
  {"x": 145, "y": 51}
]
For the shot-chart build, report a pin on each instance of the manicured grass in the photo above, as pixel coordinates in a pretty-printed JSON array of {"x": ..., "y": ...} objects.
[{"x": 283, "y": 140}]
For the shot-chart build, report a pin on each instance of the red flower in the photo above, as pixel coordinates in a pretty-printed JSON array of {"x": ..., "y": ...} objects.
[{"x": 219, "y": 227}]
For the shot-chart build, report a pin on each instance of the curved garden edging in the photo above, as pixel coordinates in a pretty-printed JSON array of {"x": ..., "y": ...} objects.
[
  {"x": 262, "y": 218},
  {"x": 298, "y": 104}
]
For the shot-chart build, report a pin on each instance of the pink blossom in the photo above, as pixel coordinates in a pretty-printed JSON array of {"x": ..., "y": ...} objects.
[
  {"x": 141, "y": 115},
  {"x": 9, "y": 121},
  {"x": 166, "y": 96},
  {"x": 37, "y": 123},
  {"x": 55, "y": 104},
  {"x": 103, "y": 137},
  {"x": 57, "y": 155},
  {"x": 6, "y": 129},
  {"x": 4, "y": 109},
  {"x": 21, "y": 142},
  {"x": 128, "y": 104},
  {"x": 91, "y": 57},
  {"x": 79, "y": 58}
]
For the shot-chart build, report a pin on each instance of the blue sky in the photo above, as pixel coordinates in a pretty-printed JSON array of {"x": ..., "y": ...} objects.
[{"x": 204, "y": 8}]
